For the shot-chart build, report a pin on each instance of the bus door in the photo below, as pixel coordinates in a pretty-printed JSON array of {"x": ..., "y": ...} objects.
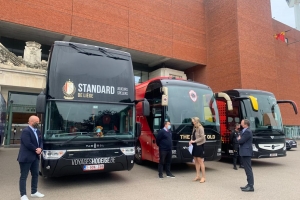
[
  {"x": 233, "y": 117},
  {"x": 157, "y": 125}
]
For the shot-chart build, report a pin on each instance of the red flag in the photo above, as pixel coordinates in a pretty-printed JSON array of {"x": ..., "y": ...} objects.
[{"x": 280, "y": 36}]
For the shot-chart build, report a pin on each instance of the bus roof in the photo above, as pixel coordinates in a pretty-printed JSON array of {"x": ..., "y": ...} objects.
[
  {"x": 241, "y": 92},
  {"x": 172, "y": 81},
  {"x": 91, "y": 47}
]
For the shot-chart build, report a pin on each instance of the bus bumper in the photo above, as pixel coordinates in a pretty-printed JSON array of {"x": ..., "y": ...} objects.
[
  {"x": 65, "y": 167},
  {"x": 267, "y": 154},
  {"x": 212, "y": 152}
]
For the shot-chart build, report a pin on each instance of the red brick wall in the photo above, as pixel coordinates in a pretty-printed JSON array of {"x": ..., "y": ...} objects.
[
  {"x": 242, "y": 52},
  {"x": 288, "y": 71},
  {"x": 172, "y": 28},
  {"x": 223, "y": 68},
  {"x": 267, "y": 64}
]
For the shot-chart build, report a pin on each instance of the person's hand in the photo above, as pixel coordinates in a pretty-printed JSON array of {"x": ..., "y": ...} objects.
[
  {"x": 38, "y": 151},
  {"x": 191, "y": 142},
  {"x": 239, "y": 137}
]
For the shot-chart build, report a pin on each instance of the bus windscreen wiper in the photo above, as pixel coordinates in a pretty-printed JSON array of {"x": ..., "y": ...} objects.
[
  {"x": 69, "y": 140},
  {"x": 257, "y": 132},
  {"x": 125, "y": 142},
  {"x": 80, "y": 50},
  {"x": 109, "y": 55}
]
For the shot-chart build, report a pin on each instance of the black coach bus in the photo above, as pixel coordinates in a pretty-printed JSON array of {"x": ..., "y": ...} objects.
[
  {"x": 262, "y": 110},
  {"x": 88, "y": 111}
]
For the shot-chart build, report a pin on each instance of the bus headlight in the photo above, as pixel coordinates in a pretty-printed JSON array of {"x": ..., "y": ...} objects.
[
  {"x": 254, "y": 147},
  {"x": 53, "y": 154},
  {"x": 128, "y": 151},
  {"x": 219, "y": 150},
  {"x": 284, "y": 148}
]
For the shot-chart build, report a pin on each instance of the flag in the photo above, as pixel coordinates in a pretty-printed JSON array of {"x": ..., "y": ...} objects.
[{"x": 280, "y": 36}]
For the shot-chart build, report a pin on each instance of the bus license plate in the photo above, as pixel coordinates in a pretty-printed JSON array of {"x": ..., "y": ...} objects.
[
  {"x": 273, "y": 154},
  {"x": 93, "y": 167}
]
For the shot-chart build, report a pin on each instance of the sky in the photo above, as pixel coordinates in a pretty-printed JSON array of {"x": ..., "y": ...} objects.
[{"x": 283, "y": 13}]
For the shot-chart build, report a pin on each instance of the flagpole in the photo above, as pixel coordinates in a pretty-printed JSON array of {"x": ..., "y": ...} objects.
[{"x": 293, "y": 42}]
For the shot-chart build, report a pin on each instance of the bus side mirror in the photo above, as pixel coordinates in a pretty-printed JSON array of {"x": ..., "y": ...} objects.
[
  {"x": 146, "y": 107},
  {"x": 164, "y": 97},
  {"x": 226, "y": 97},
  {"x": 41, "y": 103},
  {"x": 254, "y": 103},
  {"x": 138, "y": 129}
]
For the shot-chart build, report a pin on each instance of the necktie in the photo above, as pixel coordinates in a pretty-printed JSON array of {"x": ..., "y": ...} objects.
[{"x": 37, "y": 140}]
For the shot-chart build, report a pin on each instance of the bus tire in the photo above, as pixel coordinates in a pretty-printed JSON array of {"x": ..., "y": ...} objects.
[{"x": 138, "y": 154}]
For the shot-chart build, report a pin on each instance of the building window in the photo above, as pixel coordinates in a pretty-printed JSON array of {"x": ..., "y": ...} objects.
[{"x": 140, "y": 76}]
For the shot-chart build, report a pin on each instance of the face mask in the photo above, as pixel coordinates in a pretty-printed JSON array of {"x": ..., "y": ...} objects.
[
  {"x": 169, "y": 126},
  {"x": 35, "y": 125}
]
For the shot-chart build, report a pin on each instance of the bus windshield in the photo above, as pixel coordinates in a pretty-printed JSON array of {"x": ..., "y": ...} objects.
[
  {"x": 186, "y": 102},
  {"x": 268, "y": 116},
  {"x": 88, "y": 121}
]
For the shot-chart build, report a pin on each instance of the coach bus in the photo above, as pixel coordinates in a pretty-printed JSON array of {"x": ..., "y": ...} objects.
[
  {"x": 262, "y": 110},
  {"x": 177, "y": 101},
  {"x": 88, "y": 111}
]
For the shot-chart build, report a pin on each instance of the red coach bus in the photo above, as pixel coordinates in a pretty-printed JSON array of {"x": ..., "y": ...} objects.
[{"x": 177, "y": 101}]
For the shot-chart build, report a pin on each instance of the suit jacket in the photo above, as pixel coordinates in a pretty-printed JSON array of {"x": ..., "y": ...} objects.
[
  {"x": 29, "y": 145},
  {"x": 246, "y": 143},
  {"x": 199, "y": 135}
]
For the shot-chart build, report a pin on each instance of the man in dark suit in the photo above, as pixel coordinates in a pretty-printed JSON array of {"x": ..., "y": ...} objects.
[
  {"x": 245, "y": 141},
  {"x": 29, "y": 155},
  {"x": 164, "y": 142}
]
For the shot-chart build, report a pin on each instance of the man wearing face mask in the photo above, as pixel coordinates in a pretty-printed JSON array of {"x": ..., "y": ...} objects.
[
  {"x": 164, "y": 142},
  {"x": 29, "y": 155}
]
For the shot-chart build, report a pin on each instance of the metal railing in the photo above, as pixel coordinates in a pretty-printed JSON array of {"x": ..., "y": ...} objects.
[{"x": 292, "y": 132}]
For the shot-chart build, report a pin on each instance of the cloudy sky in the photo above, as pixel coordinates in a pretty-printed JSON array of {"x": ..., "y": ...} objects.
[{"x": 281, "y": 12}]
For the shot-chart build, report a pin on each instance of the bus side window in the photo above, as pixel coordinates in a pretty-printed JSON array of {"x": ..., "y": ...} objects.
[{"x": 157, "y": 124}]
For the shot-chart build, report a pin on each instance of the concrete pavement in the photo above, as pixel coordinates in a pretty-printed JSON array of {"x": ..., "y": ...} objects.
[{"x": 275, "y": 178}]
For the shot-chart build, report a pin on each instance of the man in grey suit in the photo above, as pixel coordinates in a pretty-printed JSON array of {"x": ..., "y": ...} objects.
[{"x": 245, "y": 141}]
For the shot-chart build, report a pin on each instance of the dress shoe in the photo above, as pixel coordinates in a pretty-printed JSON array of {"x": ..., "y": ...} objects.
[
  {"x": 244, "y": 187},
  {"x": 235, "y": 168},
  {"x": 241, "y": 166},
  {"x": 197, "y": 179},
  {"x": 170, "y": 176},
  {"x": 248, "y": 189}
]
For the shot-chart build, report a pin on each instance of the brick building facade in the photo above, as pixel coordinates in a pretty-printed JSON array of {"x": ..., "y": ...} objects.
[{"x": 224, "y": 44}]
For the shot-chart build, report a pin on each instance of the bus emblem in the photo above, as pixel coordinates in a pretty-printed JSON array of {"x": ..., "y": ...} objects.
[
  {"x": 69, "y": 90},
  {"x": 193, "y": 95}
]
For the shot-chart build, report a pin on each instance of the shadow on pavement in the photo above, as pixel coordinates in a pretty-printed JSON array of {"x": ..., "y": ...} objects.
[
  {"x": 176, "y": 167},
  {"x": 263, "y": 162},
  {"x": 83, "y": 179}
]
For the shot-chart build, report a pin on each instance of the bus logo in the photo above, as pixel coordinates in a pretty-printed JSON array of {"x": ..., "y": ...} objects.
[
  {"x": 69, "y": 90},
  {"x": 193, "y": 95}
]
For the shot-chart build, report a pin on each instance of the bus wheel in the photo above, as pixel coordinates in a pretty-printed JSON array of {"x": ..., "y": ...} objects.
[{"x": 138, "y": 154}]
